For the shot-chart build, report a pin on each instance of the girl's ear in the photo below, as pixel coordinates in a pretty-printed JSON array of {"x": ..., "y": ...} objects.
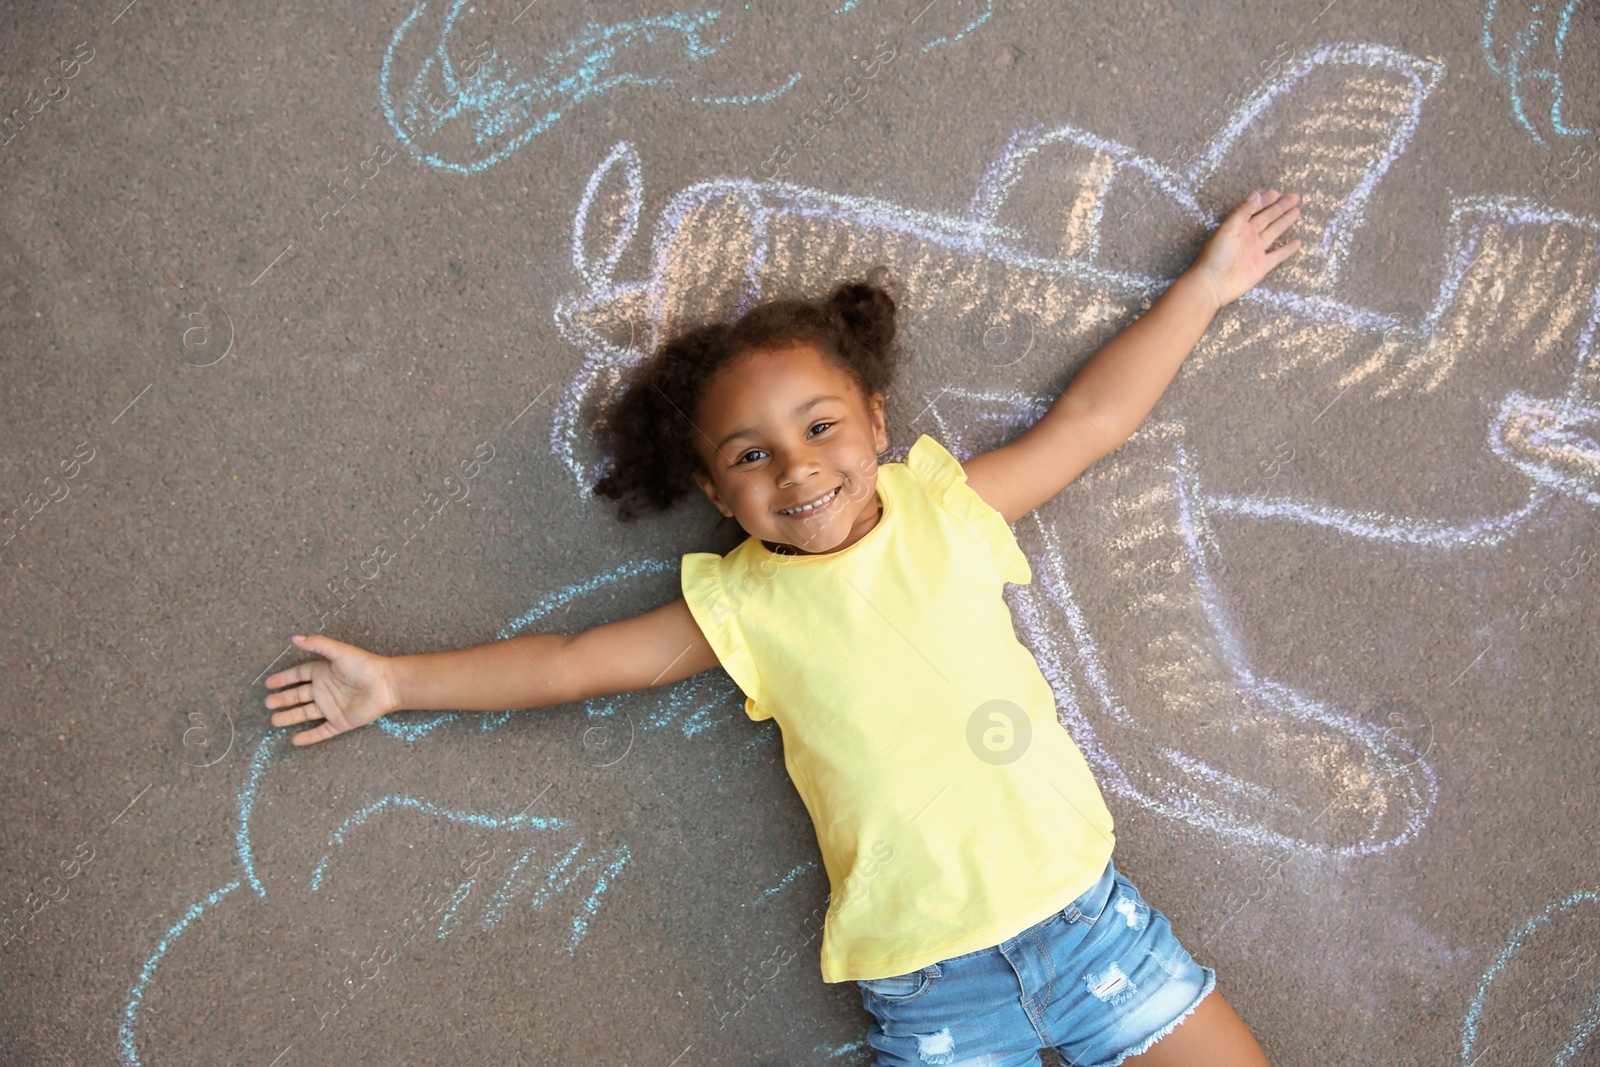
[
  {"x": 880, "y": 430},
  {"x": 707, "y": 486}
]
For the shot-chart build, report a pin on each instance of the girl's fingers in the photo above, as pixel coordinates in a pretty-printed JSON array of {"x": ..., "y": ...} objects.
[
  {"x": 311, "y": 737},
  {"x": 326, "y": 647},
  {"x": 296, "y": 716},
  {"x": 1276, "y": 208},
  {"x": 1244, "y": 210},
  {"x": 300, "y": 672},
  {"x": 1281, "y": 223},
  {"x": 1258, "y": 201},
  {"x": 1289, "y": 248},
  {"x": 284, "y": 698}
]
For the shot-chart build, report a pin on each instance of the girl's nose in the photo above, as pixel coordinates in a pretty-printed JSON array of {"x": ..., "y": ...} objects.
[{"x": 796, "y": 468}]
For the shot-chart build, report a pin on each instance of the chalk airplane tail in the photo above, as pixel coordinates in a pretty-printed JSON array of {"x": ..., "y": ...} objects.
[
  {"x": 1328, "y": 126},
  {"x": 704, "y": 257},
  {"x": 707, "y": 245},
  {"x": 610, "y": 329}
]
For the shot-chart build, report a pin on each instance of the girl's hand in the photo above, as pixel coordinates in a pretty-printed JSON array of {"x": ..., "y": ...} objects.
[
  {"x": 347, "y": 688},
  {"x": 1235, "y": 258}
]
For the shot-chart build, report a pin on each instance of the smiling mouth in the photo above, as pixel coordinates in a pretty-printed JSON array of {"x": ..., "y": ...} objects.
[{"x": 813, "y": 507}]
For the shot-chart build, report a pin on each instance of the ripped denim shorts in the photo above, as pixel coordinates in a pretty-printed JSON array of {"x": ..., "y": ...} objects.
[{"x": 1098, "y": 981}]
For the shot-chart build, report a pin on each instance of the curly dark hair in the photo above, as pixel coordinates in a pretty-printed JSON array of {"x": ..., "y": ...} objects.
[{"x": 648, "y": 432}]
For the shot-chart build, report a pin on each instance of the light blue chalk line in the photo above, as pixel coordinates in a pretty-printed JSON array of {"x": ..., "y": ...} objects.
[
  {"x": 610, "y": 861},
  {"x": 247, "y": 803},
  {"x": 1511, "y": 71},
  {"x": 1585, "y": 1027},
  {"x": 580, "y": 922},
  {"x": 426, "y": 807},
  {"x": 988, "y": 9},
  {"x": 782, "y": 882},
  {"x": 130, "y": 1013},
  {"x": 495, "y": 102}
]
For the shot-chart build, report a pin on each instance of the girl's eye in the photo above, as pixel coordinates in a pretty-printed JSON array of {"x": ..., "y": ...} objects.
[{"x": 759, "y": 451}]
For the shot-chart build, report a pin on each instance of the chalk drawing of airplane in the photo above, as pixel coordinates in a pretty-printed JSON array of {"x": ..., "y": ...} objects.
[
  {"x": 468, "y": 111},
  {"x": 1507, "y": 351},
  {"x": 540, "y": 858},
  {"x": 526, "y": 860},
  {"x": 535, "y": 859},
  {"x": 458, "y": 101}
]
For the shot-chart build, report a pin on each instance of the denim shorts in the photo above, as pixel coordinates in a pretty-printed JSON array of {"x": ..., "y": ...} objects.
[{"x": 1098, "y": 981}]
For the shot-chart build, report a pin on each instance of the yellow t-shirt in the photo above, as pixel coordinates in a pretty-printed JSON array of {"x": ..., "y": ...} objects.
[{"x": 951, "y": 808}]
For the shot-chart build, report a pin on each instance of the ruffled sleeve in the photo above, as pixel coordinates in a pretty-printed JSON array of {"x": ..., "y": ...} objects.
[
  {"x": 714, "y": 611},
  {"x": 942, "y": 475}
]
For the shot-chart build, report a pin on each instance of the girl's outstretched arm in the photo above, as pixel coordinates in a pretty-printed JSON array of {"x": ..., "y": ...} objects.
[
  {"x": 1120, "y": 384},
  {"x": 349, "y": 687}
]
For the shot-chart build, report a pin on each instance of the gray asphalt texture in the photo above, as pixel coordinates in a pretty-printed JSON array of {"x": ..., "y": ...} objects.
[{"x": 220, "y": 396}]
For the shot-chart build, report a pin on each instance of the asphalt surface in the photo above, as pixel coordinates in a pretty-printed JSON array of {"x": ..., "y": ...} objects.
[{"x": 304, "y": 310}]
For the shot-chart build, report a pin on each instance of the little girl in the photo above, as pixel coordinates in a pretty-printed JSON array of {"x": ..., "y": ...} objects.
[{"x": 967, "y": 845}]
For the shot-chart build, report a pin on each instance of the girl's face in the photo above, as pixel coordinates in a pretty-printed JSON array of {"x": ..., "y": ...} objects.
[{"x": 783, "y": 429}]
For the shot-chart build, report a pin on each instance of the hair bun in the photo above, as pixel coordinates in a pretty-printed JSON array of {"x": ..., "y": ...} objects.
[{"x": 867, "y": 311}]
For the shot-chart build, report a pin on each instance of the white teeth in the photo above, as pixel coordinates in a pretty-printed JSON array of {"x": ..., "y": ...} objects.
[{"x": 811, "y": 507}]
